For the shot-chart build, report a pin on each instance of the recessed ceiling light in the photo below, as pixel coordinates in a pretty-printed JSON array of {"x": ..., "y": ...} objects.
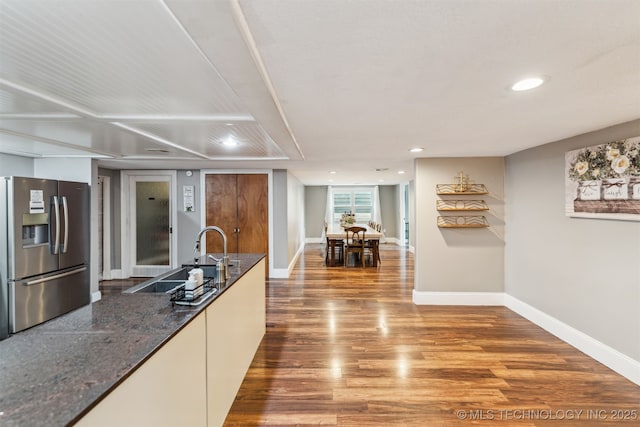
[
  {"x": 228, "y": 124},
  {"x": 416, "y": 149},
  {"x": 527, "y": 84},
  {"x": 332, "y": 172},
  {"x": 400, "y": 172},
  {"x": 229, "y": 141}
]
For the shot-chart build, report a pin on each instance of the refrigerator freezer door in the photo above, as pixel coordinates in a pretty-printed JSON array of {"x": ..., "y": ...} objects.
[
  {"x": 4, "y": 309},
  {"x": 4, "y": 267},
  {"x": 31, "y": 228},
  {"x": 38, "y": 299},
  {"x": 74, "y": 223}
]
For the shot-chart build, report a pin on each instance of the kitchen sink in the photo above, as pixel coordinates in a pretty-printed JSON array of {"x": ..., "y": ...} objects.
[
  {"x": 167, "y": 282},
  {"x": 161, "y": 286}
]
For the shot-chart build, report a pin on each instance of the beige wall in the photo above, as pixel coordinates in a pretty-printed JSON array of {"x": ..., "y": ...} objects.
[
  {"x": 412, "y": 213},
  {"x": 459, "y": 260},
  {"x": 390, "y": 210},
  {"x": 583, "y": 272},
  {"x": 315, "y": 205},
  {"x": 295, "y": 216}
]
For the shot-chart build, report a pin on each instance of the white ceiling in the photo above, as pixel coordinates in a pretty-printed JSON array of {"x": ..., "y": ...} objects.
[{"x": 310, "y": 85}]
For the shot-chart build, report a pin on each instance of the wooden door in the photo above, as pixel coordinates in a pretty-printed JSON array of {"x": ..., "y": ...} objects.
[
  {"x": 253, "y": 215},
  {"x": 239, "y": 202},
  {"x": 221, "y": 210}
]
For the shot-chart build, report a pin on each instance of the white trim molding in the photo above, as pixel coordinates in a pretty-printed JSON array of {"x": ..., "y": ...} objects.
[
  {"x": 458, "y": 298},
  {"x": 106, "y": 227},
  {"x": 284, "y": 273},
  {"x": 279, "y": 273},
  {"x": 118, "y": 274},
  {"x": 96, "y": 296},
  {"x": 610, "y": 357},
  {"x": 127, "y": 203}
]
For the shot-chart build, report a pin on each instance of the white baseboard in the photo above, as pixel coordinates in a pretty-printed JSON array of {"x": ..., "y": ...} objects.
[
  {"x": 283, "y": 273},
  {"x": 458, "y": 298},
  {"x": 96, "y": 296},
  {"x": 314, "y": 240},
  {"x": 117, "y": 274},
  {"x": 279, "y": 273},
  {"x": 610, "y": 357}
]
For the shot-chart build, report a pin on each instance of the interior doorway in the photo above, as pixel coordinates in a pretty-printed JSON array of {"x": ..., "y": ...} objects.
[
  {"x": 404, "y": 207},
  {"x": 149, "y": 206},
  {"x": 239, "y": 205},
  {"x": 104, "y": 227}
]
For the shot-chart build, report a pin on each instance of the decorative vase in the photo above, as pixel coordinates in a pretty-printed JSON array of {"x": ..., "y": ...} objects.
[
  {"x": 615, "y": 189},
  {"x": 634, "y": 187},
  {"x": 589, "y": 190}
]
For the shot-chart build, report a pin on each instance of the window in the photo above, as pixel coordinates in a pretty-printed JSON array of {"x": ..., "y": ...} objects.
[{"x": 352, "y": 200}]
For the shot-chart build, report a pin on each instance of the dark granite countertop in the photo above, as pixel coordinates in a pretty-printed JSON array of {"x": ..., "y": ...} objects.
[{"x": 52, "y": 374}]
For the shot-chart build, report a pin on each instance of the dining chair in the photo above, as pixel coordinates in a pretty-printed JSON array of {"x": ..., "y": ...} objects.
[
  {"x": 373, "y": 245},
  {"x": 377, "y": 245},
  {"x": 355, "y": 243},
  {"x": 334, "y": 247}
]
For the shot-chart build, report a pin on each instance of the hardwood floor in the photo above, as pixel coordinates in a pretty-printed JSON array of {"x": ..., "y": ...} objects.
[{"x": 348, "y": 347}]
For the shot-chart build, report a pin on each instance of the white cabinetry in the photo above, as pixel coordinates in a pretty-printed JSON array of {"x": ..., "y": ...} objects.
[
  {"x": 236, "y": 323},
  {"x": 194, "y": 378},
  {"x": 169, "y": 389}
]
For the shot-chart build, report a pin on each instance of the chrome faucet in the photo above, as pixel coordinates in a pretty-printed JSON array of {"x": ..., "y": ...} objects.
[{"x": 222, "y": 264}]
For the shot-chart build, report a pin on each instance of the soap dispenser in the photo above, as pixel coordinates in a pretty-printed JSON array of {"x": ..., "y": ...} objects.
[
  {"x": 199, "y": 275},
  {"x": 190, "y": 286}
]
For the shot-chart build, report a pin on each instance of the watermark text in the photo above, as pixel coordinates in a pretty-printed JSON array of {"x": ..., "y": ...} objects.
[{"x": 536, "y": 414}]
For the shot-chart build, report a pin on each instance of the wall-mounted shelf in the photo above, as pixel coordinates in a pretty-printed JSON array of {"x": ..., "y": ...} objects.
[
  {"x": 461, "y": 205},
  {"x": 471, "y": 221},
  {"x": 465, "y": 188}
]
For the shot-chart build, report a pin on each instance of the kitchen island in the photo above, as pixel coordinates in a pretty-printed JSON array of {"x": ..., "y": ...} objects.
[{"x": 75, "y": 368}]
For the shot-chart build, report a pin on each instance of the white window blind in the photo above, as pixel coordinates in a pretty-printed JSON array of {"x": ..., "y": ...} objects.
[{"x": 358, "y": 201}]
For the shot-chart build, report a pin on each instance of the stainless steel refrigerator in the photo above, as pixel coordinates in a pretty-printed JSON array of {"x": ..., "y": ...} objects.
[{"x": 44, "y": 250}]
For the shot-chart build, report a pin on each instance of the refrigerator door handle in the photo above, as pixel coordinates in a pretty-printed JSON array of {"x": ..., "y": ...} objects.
[
  {"x": 56, "y": 276},
  {"x": 56, "y": 210},
  {"x": 65, "y": 210}
]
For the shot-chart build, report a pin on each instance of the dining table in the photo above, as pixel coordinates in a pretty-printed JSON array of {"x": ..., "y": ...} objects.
[{"x": 337, "y": 231}]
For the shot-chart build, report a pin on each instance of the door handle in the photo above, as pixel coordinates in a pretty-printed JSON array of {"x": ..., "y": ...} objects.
[
  {"x": 56, "y": 211},
  {"x": 57, "y": 276},
  {"x": 65, "y": 209}
]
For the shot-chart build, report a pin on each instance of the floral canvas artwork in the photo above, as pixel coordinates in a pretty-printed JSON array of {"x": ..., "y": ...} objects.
[{"x": 603, "y": 181}]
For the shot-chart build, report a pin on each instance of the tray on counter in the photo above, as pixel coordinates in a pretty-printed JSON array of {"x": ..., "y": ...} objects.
[{"x": 208, "y": 288}]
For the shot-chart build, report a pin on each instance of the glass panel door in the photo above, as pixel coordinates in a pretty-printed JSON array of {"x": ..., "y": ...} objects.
[
  {"x": 152, "y": 223},
  {"x": 150, "y": 199}
]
